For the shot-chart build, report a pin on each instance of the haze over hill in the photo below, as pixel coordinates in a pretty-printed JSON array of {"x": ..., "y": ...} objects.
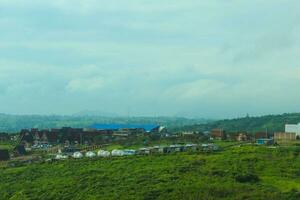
[
  {"x": 272, "y": 123},
  {"x": 14, "y": 123}
]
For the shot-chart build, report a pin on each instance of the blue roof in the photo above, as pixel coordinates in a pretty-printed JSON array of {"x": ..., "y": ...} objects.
[{"x": 146, "y": 127}]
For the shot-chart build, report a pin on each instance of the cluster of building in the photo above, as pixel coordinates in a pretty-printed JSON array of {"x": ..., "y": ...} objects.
[
  {"x": 108, "y": 133},
  {"x": 220, "y": 134},
  {"x": 100, "y": 133},
  {"x": 291, "y": 133}
]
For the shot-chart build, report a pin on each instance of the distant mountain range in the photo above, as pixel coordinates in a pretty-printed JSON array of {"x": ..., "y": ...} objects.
[{"x": 270, "y": 123}]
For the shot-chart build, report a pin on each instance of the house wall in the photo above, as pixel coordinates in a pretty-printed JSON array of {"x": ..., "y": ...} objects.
[
  {"x": 217, "y": 134},
  {"x": 293, "y": 128},
  {"x": 284, "y": 136}
]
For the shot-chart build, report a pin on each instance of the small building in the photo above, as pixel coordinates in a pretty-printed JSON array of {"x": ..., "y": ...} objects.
[
  {"x": 144, "y": 151},
  {"x": 218, "y": 134},
  {"x": 129, "y": 152},
  {"x": 241, "y": 137},
  {"x": 164, "y": 150},
  {"x": 281, "y": 136},
  {"x": 154, "y": 150},
  {"x": 265, "y": 141},
  {"x": 77, "y": 155},
  {"x": 26, "y": 137},
  {"x": 293, "y": 128},
  {"x": 259, "y": 135},
  {"x": 90, "y": 154},
  {"x": 191, "y": 147},
  {"x": 132, "y": 128},
  {"x": 104, "y": 154},
  {"x": 20, "y": 150},
  {"x": 117, "y": 152},
  {"x": 61, "y": 157},
  {"x": 210, "y": 147}
]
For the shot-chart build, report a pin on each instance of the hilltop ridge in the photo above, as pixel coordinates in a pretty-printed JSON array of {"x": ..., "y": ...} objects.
[{"x": 271, "y": 123}]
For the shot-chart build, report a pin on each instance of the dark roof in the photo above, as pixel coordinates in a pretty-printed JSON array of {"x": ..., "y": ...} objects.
[
  {"x": 146, "y": 127},
  {"x": 4, "y": 154}
]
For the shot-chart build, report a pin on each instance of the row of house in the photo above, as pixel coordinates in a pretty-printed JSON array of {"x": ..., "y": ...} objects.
[
  {"x": 76, "y": 153},
  {"x": 259, "y": 137},
  {"x": 96, "y": 133},
  {"x": 220, "y": 134}
]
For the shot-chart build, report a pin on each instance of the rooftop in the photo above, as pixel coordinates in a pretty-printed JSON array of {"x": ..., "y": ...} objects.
[{"x": 146, "y": 127}]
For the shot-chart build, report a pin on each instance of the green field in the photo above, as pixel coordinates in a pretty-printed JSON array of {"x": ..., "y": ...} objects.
[
  {"x": 6, "y": 146},
  {"x": 246, "y": 172}
]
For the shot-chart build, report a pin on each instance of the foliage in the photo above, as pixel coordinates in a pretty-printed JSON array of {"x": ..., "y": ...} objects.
[
  {"x": 14, "y": 123},
  {"x": 246, "y": 172},
  {"x": 247, "y": 178},
  {"x": 271, "y": 123}
]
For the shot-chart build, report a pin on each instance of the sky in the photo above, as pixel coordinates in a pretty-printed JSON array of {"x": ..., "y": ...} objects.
[{"x": 210, "y": 58}]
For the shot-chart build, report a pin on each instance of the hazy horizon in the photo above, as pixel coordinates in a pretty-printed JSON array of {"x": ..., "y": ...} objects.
[
  {"x": 115, "y": 115},
  {"x": 207, "y": 59}
]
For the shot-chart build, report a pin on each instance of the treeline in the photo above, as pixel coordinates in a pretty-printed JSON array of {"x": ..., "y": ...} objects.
[
  {"x": 14, "y": 123},
  {"x": 270, "y": 123}
]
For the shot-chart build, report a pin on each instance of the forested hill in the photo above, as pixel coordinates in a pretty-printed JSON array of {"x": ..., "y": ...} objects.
[
  {"x": 272, "y": 123},
  {"x": 14, "y": 123}
]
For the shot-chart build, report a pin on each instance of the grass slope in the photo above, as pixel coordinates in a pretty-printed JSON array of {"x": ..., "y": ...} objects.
[{"x": 237, "y": 173}]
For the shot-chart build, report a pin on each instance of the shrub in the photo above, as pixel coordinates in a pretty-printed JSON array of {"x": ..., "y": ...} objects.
[{"x": 247, "y": 178}]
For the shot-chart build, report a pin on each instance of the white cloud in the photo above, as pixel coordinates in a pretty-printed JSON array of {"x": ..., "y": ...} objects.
[
  {"x": 90, "y": 85},
  {"x": 190, "y": 55}
]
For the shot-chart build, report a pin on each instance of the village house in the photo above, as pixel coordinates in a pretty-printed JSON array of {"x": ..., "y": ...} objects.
[
  {"x": 242, "y": 137},
  {"x": 259, "y": 135},
  {"x": 293, "y": 128},
  {"x": 218, "y": 134},
  {"x": 34, "y": 136},
  {"x": 284, "y": 137}
]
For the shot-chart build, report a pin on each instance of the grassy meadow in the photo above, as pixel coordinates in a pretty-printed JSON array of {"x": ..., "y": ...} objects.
[{"x": 246, "y": 172}]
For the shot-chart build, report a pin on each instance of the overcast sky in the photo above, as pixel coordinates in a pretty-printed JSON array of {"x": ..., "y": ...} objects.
[{"x": 208, "y": 58}]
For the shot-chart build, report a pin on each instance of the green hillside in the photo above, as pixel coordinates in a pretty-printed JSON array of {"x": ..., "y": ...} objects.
[
  {"x": 271, "y": 123},
  {"x": 238, "y": 173}
]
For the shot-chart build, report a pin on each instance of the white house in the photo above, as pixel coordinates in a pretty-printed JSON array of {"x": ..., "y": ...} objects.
[
  {"x": 117, "y": 153},
  {"x": 104, "y": 154},
  {"x": 293, "y": 128},
  {"x": 90, "y": 154},
  {"x": 77, "y": 155}
]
